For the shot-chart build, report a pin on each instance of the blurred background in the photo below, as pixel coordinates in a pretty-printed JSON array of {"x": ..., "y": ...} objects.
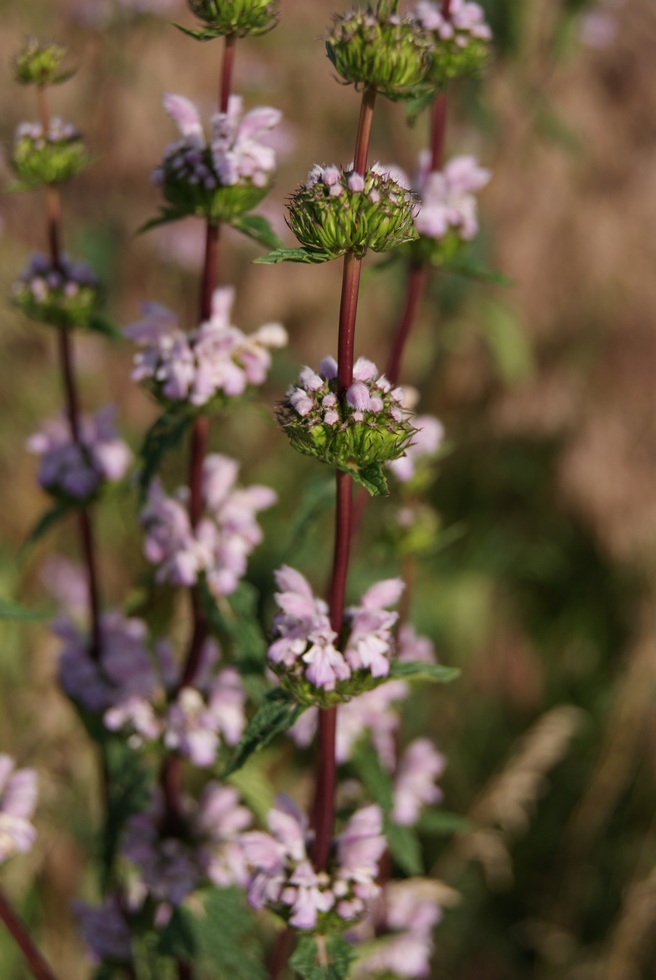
[{"x": 543, "y": 587}]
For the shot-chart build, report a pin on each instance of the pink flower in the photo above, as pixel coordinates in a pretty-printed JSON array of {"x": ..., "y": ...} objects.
[
  {"x": 414, "y": 786},
  {"x": 447, "y": 197},
  {"x": 17, "y": 803},
  {"x": 424, "y": 446}
]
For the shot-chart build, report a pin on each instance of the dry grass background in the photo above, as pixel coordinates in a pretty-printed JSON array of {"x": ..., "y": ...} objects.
[{"x": 547, "y": 390}]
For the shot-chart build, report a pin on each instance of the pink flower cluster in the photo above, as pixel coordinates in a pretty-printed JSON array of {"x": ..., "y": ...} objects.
[
  {"x": 17, "y": 803},
  {"x": 58, "y": 132},
  {"x": 78, "y": 470},
  {"x": 370, "y": 395},
  {"x": 425, "y": 444},
  {"x": 196, "y": 366},
  {"x": 284, "y": 879},
  {"x": 465, "y": 20},
  {"x": 238, "y": 151},
  {"x": 104, "y": 930},
  {"x": 219, "y": 546},
  {"x": 405, "y": 916},
  {"x": 41, "y": 278},
  {"x": 304, "y": 641},
  {"x": 170, "y": 867},
  {"x": 447, "y": 197}
]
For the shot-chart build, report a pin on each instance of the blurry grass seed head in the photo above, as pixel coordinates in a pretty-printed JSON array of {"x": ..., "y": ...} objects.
[
  {"x": 338, "y": 210},
  {"x": 380, "y": 50},
  {"x": 236, "y": 17}
]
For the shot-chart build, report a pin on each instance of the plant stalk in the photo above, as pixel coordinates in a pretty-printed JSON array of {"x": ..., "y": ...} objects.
[
  {"x": 18, "y": 931},
  {"x": 323, "y": 809}
]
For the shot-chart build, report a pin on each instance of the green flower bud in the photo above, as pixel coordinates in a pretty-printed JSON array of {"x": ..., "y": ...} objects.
[
  {"x": 337, "y": 211},
  {"x": 67, "y": 296},
  {"x": 364, "y": 429},
  {"x": 380, "y": 50},
  {"x": 459, "y": 42},
  {"x": 236, "y": 17},
  {"x": 40, "y": 64},
  {"x": 51, "y": 158}
]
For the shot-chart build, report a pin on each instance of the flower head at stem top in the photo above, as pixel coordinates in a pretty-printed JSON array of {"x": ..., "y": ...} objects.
[{"x": 236, "y": 18}]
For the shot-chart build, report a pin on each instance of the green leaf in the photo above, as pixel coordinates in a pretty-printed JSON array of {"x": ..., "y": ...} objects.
[
  {"x": 45, "y": 523},
  {"x": 309, "y": 256},
  {"x": 257, "y": 227},
  {"x": 323, "y": 958},
  {"x": 163, "y": 435},
  {"x": 441, "y": 823},
  {"x": 405, "y": 847},
  {"x": 165, "y": 217},
  {"x": 465, "y": 266},
  {"x": 13, "y": 610},
  {"x": 371, "y": 477},
  {"x": 217, "y": 934},
  {"x": 412, "y": 670},
  {"x": 255, "y": 786},
  {"x": 206, "y": 35},
  {"x": 100, "y": 325},
  {"x": 276, "y": 714}
]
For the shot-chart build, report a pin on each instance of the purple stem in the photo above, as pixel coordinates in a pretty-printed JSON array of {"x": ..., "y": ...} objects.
[
  {"x": 323, "y": 809},
  {"x": 18, "y": 931}
]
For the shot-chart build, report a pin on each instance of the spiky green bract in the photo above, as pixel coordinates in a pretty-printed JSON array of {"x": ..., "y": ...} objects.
[
  {"x": 217, "y": 203},
  {"x": 338, "y": 211},
  {"x": 309, "y": 695},
  {"x": 67, "y": 296},
  {"x": 237, "y": 18},
  {"x": 40, "y": 64},
  {"x": 380, "y": 50},
  {"x": 48, "y": 158},
  {"x": 460, "y": 56}
]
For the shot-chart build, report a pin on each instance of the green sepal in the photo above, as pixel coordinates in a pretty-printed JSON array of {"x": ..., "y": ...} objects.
[
  {"x": 208, "y": 34},
  {"x": 165, "y": 217},
  {"x": 278, "y": 712},
  {"x": 308, "y": 256},
  {"x": 165, "y": 434},
  {"x": 323, "y": 958},
  {"x": 417, "y": 670},
  {"x": 371, "y": 477},
  {"x": 257, "y": 227}
]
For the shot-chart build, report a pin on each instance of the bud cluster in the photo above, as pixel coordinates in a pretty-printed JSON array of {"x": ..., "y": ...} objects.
[
  {"x": 51, "y": 157},
  {"x": 201, "y": 368},
  {"x": 236, "y": 18},
  {"x": 225, "y": 177},
  {"x": 339, "y": 210},
  {"x": 459, "y": 41},
  {"x": 66, "y": 295},
  {"x": 367, "y": 426},
  {"x": 219, "y": 545},
  {"x": 305, "y": 654},
  {"x": 40, "y": 64},
  {"x": 379, "y": 50},
  {"x": 75, "y": 471},
  {"x": 284, "y": 880}
]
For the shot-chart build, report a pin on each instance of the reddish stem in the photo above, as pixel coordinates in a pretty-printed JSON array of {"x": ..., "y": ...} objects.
[
  {"x": 281, "y": 952},
  {"x": 438, "y": 129},
  {"x": 415, "y": 286},
  {"x": 17, "y": 929},
  {"x": 226, "y": 72},
  {"x": 364, "y": 130},
  {"x": 347, "y": 313},
  {"x": 446, "y": 7}
]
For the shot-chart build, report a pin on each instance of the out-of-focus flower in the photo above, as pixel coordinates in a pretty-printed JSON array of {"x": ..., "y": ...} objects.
[
  {"x": 413, "y": 647},
  {"x": 77, "y": 470},
  {"x": 414, "y": 786},
  {"x": 172, "y": 867},
  {"x": 229, "y": 174},
  {"x": 404, "y": 917},
  {"x": 219, "y": 546},
  {"x": 371, "y": 712},
  {"x": 459, "y": 40},
  {"x": 104, "y": 930},
  {"x": 17, "y": 803},
  {"x": 426, "y": 442},
  {"x": 215, "y": 362},
  {"x": 66, "y": 295},
  {"x": 49, "y": 156},
  {"x": 282, "y": 876},
  {"x": 303, "y": 652},
  {"x": 448, "y": 204}
]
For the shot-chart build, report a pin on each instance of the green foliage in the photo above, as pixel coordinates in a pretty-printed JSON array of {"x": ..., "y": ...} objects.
[
  {"x": 278, "y": 712},
  {"x": 10, "y": 609},
  {"x": 164, "y": 435},
  {"x": 48, "y": 161},
  {"x": 307, "y": 256},
  {"x": 45, "y": 523},
  {"x": 411, "y": 670},
  {"x": 323, "y": 958},
  {"x": 218, "y": 937},
  {"x": 257, "y": 227},
  {"x": 128, "y": 792},
  {"x": 40, "y": 64},
  {"x": 234, "y": 620},
  {"x": 440, "y": 823}
]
